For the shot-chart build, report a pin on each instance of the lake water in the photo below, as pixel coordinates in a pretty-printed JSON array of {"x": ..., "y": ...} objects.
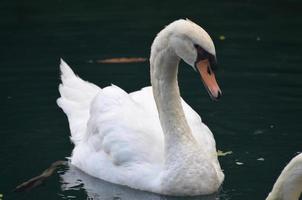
[{"x": 258, "y": 46}]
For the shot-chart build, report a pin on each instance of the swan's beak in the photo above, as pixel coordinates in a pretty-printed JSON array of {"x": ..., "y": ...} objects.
[{"x": 208, "y": 79}]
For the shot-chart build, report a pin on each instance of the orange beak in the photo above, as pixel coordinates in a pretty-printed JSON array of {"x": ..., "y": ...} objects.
[{"x": 208, "y": 79}]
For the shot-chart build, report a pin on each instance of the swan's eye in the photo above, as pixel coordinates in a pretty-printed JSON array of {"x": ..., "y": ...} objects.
[{"x": 201, "y": 53}]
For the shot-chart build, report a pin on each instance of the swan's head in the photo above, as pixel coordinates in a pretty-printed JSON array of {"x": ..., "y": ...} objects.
[{"x": 192, "y": 44}]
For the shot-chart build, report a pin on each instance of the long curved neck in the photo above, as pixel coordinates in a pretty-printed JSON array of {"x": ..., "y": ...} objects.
[
  {"x": 164, "y": 69},
  {"x": 289, "y": 184}
]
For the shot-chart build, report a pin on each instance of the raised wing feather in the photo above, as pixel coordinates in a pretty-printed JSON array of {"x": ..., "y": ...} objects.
[{"x": 75, "y": 101}]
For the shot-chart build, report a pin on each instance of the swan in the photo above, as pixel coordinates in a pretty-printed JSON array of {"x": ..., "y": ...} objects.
[
  {"x": 289, "y": 184},
  {"x": 150, "y": 139}
]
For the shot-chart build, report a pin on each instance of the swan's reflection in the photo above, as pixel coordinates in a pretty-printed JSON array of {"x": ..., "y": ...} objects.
[{"x": 96, "y": 189}]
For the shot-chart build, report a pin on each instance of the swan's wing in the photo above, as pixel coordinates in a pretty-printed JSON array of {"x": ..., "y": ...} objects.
[
  {"x": 75, "y": 101},
  {"x": 123, "y": 128},
  {"x": 115, "y": 138},
  {"x": 109, "y": 121},
  {"x": 123, "y": 142}
]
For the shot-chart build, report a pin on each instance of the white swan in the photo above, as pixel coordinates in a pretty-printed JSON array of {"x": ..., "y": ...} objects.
[
  {"x": 289, "y": 184},
  {"x": 149, "y": 139}
]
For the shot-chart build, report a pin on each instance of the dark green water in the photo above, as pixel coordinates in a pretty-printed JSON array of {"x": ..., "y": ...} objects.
[{"x": 259, "y": 72}]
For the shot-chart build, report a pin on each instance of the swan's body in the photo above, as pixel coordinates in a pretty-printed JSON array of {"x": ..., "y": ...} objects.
[
  {"x": 150, "y": 139},
  {"x": 289, "y": 184}
]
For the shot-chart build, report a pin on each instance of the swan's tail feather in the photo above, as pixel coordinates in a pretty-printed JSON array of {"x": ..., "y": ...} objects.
[{"x": 76, "y": 96}]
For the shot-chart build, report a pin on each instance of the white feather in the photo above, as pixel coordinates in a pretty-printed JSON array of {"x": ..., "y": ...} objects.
[
  {"x": 75, "y": 100},
  {"x": 289, "y": 184}
]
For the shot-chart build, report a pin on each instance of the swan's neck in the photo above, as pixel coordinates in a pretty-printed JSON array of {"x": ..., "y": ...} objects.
[
  {"x": 164, "y": 69},
  {"x": 289, "y": 184}
]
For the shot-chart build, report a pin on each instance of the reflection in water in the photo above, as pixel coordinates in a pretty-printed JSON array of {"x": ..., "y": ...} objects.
[{"x": 97, "y": 189}]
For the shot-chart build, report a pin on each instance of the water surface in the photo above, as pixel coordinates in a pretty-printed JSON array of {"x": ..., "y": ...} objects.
[{"x": 258, "y": 117}]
